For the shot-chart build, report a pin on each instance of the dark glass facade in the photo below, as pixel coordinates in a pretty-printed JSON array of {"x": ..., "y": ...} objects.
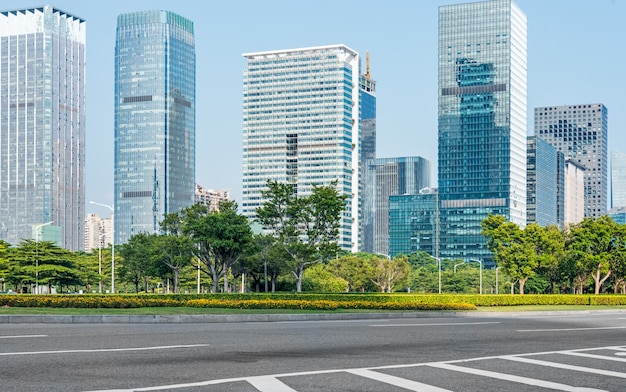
[
  {"x": 154, "y": 120},
  {"x": 482, "y": 122},
  {"x": 413, "y": 223},
  {"x": 544, "y": 183},
  {"x": 368, "y": 153}
]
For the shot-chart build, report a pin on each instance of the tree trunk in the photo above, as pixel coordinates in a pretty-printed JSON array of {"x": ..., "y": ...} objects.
[
  {"x": 298, "y": 275},
  {"x": 175, "y": 278},
  {"x": 522, "y": 282},
  {"x": 225, "y": 278},
  {"x": 599, "y": 282},
  {"x": 512, "y": 287}
]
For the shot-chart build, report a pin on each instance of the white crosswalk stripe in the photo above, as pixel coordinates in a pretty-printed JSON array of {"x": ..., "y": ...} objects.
[
  {"x": 397, "y": 381},
  {"x": 279, "y": 382},
  {"x": 564, "y": 366},
  {"x": 514, "y": 378},
  {"x": 269, "y": 384}
]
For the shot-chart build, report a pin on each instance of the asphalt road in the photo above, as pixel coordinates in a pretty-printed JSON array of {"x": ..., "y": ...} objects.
[{"x": 585, "y": 352}]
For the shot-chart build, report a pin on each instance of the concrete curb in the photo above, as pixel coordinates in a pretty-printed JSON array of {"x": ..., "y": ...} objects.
[{"x": 258, "y": 318}]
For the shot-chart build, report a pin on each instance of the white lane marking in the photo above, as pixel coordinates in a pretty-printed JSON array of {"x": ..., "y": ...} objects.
[
  {"x": 103, "y": 350},
  {"x": 433, "y": 325},
  {"x": 22, "y": 336},
  {"x": 218, "y": 381},
  {"x": 396, "y": 381},
  {"x": 565, "y": 366},
  {"x": 269, "y": 384},
  {"x": 569, "y": 329},
  {"x": 513, "y": 378},
  {"x": 594, "y": 356}
]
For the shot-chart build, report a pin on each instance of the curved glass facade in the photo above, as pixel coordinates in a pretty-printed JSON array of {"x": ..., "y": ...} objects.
[
  {"x": 482, "y": 122},
  {"x": 155, "y": 94}
]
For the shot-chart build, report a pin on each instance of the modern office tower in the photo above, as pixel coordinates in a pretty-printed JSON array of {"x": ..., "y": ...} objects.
[
  {"x": 581, "y": 133},
  {"x": 368, "y": 152},
  {"x": 574, "y": 201},
  {"x": 413, "y": 223},
  {"x": 211, "y": 198},
  {"x": 618, "y": 179},
  {"x": 544, "y": 181},
  {"x": 155, "y": 81},
  {"x": 387, "y": 177},
  {"x": 301, "y": 126},
  {"x": 98, "y": 232},
  {"x": 482, "y": 122},
  {"x": 42, "y": 125}
]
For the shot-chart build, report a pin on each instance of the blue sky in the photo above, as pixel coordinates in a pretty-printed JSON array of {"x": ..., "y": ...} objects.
[{"x": 576, "y": 55}]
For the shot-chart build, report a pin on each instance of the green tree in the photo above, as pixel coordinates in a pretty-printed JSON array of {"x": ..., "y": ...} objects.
[
  {"x": 512, "y": 250},
  {"x": 598, "y": 244},
  {"x": 307, "y": 227},
  {"x": 135, "y": 265},
  {"x": 548, "y": 244},
  {"x": 219, "y": 238},
  {"x": 320, "y": 279},
  {"x": 388, "y": 273},
  {"x": 4, "y": 263},
  {"x": 45, "y": 264},
  {"x": 355, "y": 269}
]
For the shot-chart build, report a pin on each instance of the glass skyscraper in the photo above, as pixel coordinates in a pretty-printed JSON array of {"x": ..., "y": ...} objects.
[
  {"x": 155, "y": 77},
  {"x": 580, "y": 132},
  {"x": 618, "y": 179},
  {"x": 545, "y": 185},
  {"x": 42, "y": 125},
  {"x": 482, "y": 122},
  {"x": 368, "y": 152},
  {"x": 387, "y": 177},
  {"x": 301, "y": 126}
]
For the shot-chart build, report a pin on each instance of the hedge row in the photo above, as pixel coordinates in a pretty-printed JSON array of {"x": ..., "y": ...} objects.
[
  {"x": 217, "y": 301},
  {"x": 306, "y": 301}
]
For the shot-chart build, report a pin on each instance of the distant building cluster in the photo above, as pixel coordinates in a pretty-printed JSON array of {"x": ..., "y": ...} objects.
[
  {"x": 309, "y": 118},
  {"x": 211, "y": 198},
  {"x": 98, "y": 232}
]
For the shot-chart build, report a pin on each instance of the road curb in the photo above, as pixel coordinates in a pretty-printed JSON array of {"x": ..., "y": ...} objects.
[{"x": 286, "y": 317}]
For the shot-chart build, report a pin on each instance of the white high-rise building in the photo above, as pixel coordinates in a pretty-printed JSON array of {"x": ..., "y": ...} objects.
[
  {"x": 574, "y": 201},
  {"x": 301, "y": 126},
  {"x": 98, "y": 232},
  {"x": 618, "y": 179}
]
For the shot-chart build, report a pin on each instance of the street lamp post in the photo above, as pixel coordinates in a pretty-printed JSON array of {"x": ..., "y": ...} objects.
[
  {"x": 438, "y": 261},
  {"x": 497, "y": 268},
  {"x": 481, "y": 274},
  {"x": 37, "y": 228},
  {"x": 456, "y": 265},
  {"x": 112, "y": 243}
]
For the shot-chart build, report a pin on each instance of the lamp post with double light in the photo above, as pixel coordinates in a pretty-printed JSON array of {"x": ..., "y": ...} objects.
[
  {"x": 37, "y": 228},
  {"x": 112, "y": 244}
]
